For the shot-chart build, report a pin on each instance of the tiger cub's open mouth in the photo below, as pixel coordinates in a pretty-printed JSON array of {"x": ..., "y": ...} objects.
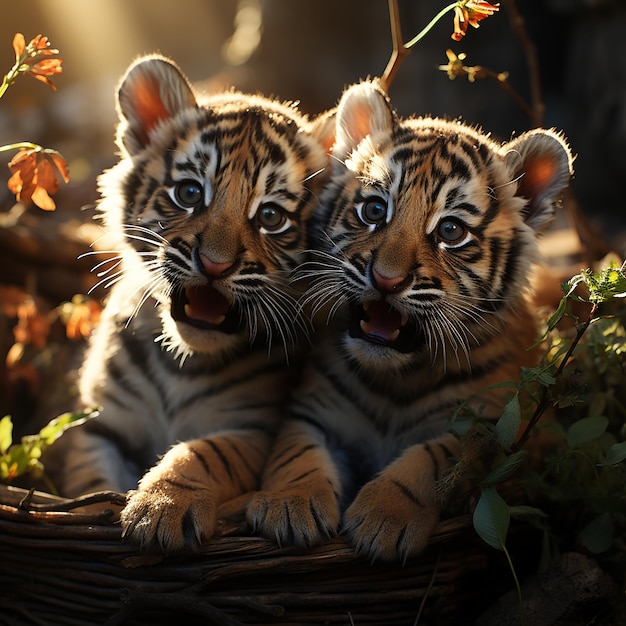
[
  {"x": 204, "y": 307},
  {"x": 377, "y": 322}
]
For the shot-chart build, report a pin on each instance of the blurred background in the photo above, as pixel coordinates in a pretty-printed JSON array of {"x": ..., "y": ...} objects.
[{"x": 308, "y": 51}]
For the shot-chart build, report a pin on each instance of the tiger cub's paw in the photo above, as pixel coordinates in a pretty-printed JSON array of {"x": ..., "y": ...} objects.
[
  {"x": 388, "y": 522},
  {"x": 297, "y": 517},
  {"x": 169, "y": 518}
]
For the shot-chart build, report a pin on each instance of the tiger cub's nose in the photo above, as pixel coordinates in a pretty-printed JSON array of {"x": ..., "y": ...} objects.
[
  {"x": 213, "y": 269},
  {"x": 392, "y": 284}
]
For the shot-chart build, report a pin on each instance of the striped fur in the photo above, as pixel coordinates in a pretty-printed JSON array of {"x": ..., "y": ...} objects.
[
  {"x": 421, "y": 259},
  {"x": 209, "y": 203}
]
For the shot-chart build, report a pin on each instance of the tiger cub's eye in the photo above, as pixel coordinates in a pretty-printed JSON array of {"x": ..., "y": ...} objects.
[
  {"x": 188, "y": 194},
  {"x": 373, "y": 211},
  {"x": 451, "y": 232},
  {"x": 272, "y": 218}
]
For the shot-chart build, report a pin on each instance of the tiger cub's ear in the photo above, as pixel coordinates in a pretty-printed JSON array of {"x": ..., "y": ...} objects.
[
  {"x": 323, "y": 128},
  {"x": 541, "y": 163},
  {"x": 154, "y": 89},
  {"x": 364, "y": 110}
]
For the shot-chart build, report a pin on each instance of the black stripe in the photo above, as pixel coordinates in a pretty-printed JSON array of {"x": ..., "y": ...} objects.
[
  {"x": 408, "y": 493},
  {"x": 209, "y": 442},
  {"x": 256, "y": 374},
  {"x": 510, "y": 265},
  {"x": 433, "y": 459},
  {"x": 304, "y": 475},
  {"x": 294, "y": 456},
  {"x": 201, "y": 459},
  {"x": 179, "y": 485},
  {"x": 242, "y": 458}
]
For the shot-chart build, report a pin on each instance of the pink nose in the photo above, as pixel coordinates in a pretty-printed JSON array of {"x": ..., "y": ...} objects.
[
  {"x": 385, "y": 283},
  {"x": 212, "y": 268}
]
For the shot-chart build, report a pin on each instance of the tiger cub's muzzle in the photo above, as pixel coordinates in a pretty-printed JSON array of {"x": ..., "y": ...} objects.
[
  {"x": 378, "y": 322},
  {"x": 205, "y": 306}
]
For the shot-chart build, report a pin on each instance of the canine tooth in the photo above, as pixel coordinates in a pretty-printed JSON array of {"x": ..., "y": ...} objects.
[
  {"x": 394, "y": 335},
  {"x": 366, "y": 305},
  {"x": 187, "y": 310},
  {"x": 365, "y": 327},
  {"x": 404, "y": 318},
  {"x": 219, "y": 320}
]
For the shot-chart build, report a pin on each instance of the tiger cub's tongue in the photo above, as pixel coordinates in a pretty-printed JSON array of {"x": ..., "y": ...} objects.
[
  {"x": 206, "y": 304},
  {"x": 384, "y": 321}
]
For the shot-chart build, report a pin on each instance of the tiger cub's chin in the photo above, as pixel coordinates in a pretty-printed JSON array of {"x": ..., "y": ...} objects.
[{"x": 419, "y": 270}]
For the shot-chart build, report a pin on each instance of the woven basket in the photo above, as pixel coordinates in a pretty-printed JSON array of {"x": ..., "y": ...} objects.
[{"x": 63, "y": 562}]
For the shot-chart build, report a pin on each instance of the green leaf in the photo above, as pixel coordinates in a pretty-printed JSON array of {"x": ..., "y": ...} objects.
[
  {"x": 56, "y": 427},
  {"x": 460, "y": 426},
  {"x": 616, "y": 453},
  {"x": 586, "y": 430},
  {"x": 509, "y": 422},
  {"x": 491, "y": 518},
  {"x": 526, "y": 512},
  {"x": 597, "y": 536},
  {"x": 553, "y": 320},
  {"x": 539, "y": 374},
  {"x": 6, "y": 434},
  {"x": 24, "y": 457},
  {"x": 505, "y": 469}
]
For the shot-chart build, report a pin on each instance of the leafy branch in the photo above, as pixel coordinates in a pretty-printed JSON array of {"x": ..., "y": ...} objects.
[
  {"x": 18, "y": 459},
  {"x": 586, "y": 470},
  {"x": 35, "y": 170},
  {"x": 600, "y": 287}
]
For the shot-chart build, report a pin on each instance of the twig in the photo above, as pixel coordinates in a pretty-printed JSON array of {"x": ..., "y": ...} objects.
[
  {"x": 479, "y": 71},
  {"x": 530, "y": 51},
  {"x": 545, "y": 401},
  {"x": 399, "y": 49},
  {"x": 98, "y": 497}
]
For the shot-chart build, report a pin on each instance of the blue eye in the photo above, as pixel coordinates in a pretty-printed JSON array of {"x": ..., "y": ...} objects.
[
  {"x": 188, "y": 194},
  {"x": 373, "y": 211}
]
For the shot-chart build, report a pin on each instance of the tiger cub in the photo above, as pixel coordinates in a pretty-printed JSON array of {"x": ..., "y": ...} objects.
[
  {"x": 210, "y": 203},
  {"x": 424, "y": 245}
]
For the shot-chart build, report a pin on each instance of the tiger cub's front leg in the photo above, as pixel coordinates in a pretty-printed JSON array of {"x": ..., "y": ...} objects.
[
  {"x": 176, "y": 502},
  {"x": 395, "y": 513},
  {"x": 299, "y": 503}
]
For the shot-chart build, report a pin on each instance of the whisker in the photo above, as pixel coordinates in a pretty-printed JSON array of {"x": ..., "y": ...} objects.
[
  {"x": 313, "y": 175},
  {"x": 147, "y": 231}
]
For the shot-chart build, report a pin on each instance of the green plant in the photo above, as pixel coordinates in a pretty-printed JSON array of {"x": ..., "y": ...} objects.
[
  {"x": 18, "y": 459},
  {"x": 576, "y": 489}
]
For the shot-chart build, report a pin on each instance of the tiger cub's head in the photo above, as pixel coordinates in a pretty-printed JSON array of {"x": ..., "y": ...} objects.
[
  {"x": 427, "y": 232},
  {"x": 213, "y": 198}
]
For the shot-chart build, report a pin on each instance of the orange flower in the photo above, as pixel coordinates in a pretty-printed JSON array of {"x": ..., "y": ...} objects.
[
  {"x": 81, "y": 316},
  {"x": 33, "y": 326},
  {"x": 35, "y": 59},
  {"x": 469, "y": 13},
  {"x": 35, "y": 176}
]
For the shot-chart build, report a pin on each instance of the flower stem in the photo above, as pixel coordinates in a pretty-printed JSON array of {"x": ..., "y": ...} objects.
[
  {"x": 517, "y": 585},
  {"x": 429, "y": 26},
  {"x": 9, "y": 79},
  {"x": 20, "y": 145},
  {"x": 400, "y": 49}
]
